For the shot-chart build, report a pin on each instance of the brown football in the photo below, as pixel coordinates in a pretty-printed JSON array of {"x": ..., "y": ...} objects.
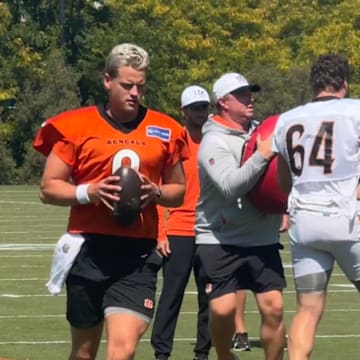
[{"x": 128, "y": 208}]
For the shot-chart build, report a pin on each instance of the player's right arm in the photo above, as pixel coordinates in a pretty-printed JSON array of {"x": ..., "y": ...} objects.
[{"x": 56, "y": 187}]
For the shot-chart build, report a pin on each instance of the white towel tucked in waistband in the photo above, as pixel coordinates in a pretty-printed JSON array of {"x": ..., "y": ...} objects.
[{"x": 66, "y": 250}]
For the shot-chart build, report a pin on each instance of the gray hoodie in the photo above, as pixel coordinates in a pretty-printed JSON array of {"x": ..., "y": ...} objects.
[{"x": 224, "y": 215}]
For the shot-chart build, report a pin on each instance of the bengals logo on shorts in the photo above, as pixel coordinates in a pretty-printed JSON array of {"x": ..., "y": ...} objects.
[
  {"x": 208, "y": 288},
  {"x": 148, "y": 304}
]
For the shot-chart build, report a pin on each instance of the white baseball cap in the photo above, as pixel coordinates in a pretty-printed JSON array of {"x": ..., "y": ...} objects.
[
  {"x": 194, "y": 94},
  {"x": 231, "y": 82}
]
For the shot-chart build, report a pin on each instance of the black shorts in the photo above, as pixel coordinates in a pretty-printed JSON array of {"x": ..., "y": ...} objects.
[
  {"x": 112, "y": 272},
  {"x": 228, "y": 268}
]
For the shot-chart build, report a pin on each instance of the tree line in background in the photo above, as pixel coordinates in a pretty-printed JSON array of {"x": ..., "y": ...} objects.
[{"x": 52, "y": 56}]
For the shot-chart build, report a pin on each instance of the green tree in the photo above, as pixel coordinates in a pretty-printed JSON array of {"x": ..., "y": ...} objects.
[
  {"x": 281, "y": 89},
  {"x": 50, "y": 62},
  {"x": 42, "y": 97},
  {"x": 8, "y": 173}
]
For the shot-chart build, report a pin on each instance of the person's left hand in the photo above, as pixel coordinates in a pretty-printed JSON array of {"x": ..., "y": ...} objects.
[
  {"x": 150, "y": 191},
  {"x": 285, "y": 223},
  {"x": 163, "y": 247}
]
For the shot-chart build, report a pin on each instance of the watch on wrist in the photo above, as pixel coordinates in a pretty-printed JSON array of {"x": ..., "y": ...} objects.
[{"x": 158, "y": 192}]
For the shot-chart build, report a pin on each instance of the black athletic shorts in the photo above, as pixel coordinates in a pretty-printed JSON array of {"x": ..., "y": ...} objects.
[
  {"x": 115, "y": 272},
  {"x": 228, "y": 268}
]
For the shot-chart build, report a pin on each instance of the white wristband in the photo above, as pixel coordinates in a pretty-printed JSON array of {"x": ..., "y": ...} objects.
[{"x": 82, "y": 195}]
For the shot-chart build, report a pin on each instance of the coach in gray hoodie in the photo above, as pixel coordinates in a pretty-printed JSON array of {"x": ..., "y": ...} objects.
[{"x": 237, "y": 243}]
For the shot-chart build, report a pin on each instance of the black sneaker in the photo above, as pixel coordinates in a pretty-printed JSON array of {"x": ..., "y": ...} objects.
[
  {"x": 241, "y": 342},
  {"x": 161, "y": 357}
]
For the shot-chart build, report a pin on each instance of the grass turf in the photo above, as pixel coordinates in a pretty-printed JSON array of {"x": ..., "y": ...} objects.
[{"x": 33, "y": 325}]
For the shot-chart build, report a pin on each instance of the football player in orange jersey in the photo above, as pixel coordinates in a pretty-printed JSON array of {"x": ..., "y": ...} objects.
[
  {"x": 113, "y": 278},
  {"x": 177, "y": 238}
]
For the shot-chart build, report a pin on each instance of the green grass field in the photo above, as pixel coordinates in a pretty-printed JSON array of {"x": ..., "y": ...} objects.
[{"x": 33, "y": 325}]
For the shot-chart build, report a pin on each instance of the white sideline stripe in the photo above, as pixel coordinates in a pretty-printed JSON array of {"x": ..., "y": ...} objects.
[
  {"x": 17, "y": 296},
  {"x": 17, "y": 191},
  {"x": 23, "y": 279},
  {"x": 28, "y": 232},
  {"x": 23, "y": 267},
  {"x": 51, "y": 237},
  {"x": 22, "y": 256},
  {"x": 27, "y": 249},
  {"x": 26, "y": 246},
  {"x": 32, "y": 316},
  {"x": 13, "y": 219},
  {"x": 45, "y": 342},
  {"x": 21, "y": 202}
]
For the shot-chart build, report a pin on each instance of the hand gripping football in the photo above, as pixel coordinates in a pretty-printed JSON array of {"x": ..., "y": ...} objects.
[
  {"x": 128, "y": 208},
  {"x": 266, "y": 195}
]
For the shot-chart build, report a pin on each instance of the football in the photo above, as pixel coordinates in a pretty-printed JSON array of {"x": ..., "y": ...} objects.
[
  {"x": 128, "y": 208},
  {"x": 266, "y": 195}
]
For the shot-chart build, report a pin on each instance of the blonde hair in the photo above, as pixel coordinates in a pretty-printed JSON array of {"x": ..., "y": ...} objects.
[{"x": 126, "y": 55}]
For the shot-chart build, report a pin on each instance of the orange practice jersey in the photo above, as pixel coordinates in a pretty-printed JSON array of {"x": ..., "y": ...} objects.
[
  {"x": 180, "y": 221},
  {"x": 86, "y": 141}
]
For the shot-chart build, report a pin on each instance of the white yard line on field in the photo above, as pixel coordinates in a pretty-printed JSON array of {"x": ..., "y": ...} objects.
[
  {"x": 50, "y": 342},
  {"x": 21, "y": 202}
]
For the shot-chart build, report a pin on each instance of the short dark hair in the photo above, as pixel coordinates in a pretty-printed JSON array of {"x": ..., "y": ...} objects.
[{"x": 330, "y": 70}]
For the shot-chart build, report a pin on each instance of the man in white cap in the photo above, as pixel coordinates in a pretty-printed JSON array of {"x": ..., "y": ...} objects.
[
  {"x": 237, "y": 245},
  {"x": 177, "y": 239}
]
